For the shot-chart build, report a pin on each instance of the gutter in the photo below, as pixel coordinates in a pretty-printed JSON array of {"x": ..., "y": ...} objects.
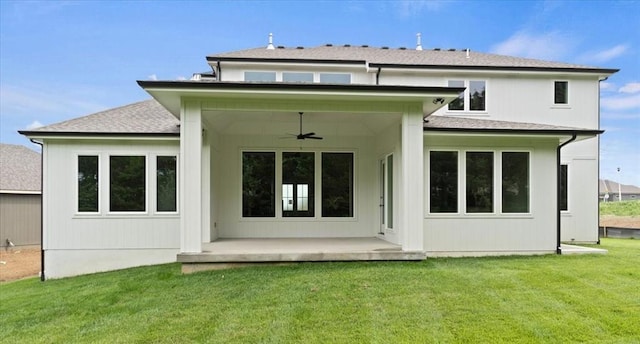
[
  {"x": 558, "y": 195},
  {"x": 41, "y": 208}
]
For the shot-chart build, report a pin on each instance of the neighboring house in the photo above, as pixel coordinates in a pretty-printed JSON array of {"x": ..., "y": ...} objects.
[
  {"x": 20, "y": 196},
  {"x": 438, "y": 152},
  {"x": 611, "y": 191}
]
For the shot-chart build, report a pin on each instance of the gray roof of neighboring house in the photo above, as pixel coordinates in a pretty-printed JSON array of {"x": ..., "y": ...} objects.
[
  {"x": 400, "y": 58},
  {"x": 142, "y": 118},
  {"x": 608, "y": 186},
  {"x": 19, "y": 169},
  {"x": 449, "y": 123}
]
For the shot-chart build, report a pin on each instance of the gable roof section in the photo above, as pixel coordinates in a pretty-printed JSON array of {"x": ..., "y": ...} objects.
[
  {"x": 401, "y": 58},
  {"x": 20, "y": 169},
  {"x": 142, "y": 118},
  {"x": 609, "y": 186}
]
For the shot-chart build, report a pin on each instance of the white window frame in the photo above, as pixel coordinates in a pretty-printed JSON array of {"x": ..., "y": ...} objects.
[
  {"x": 317, "y": 187},
  {"x": 100, "y": 181},
  {"x": 462, "y": 182},
  {"x": 467, "y": 97},
  {"x": 147, "y": 210},
  {"x": 154, "y": 176},
  {"x": 553, "y": 94}
]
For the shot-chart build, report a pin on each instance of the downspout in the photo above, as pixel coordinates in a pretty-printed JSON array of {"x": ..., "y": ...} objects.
[
  {"x": 219, "y": 71},
  {"x": 378, "y": 76},
  {"x": 558, "y": 194},
  {"x": 41, "y": 208}
]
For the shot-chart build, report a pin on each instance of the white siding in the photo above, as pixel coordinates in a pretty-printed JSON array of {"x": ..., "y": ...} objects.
[
  {"x": 67, "y": 231},
  {"x": 472, "y": 235}
]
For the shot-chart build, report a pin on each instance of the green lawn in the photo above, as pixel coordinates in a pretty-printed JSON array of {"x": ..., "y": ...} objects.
[
  {"x": 543, "y": 299},
  {"x": 624, "y": 208}
]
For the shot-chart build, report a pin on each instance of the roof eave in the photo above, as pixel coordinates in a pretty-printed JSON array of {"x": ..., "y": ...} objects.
[{"x": 76, "y": 134}]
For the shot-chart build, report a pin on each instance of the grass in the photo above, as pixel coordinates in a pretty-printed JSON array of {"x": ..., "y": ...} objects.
[
  {"x": 624, "y": 208},
  {"x": 541, "y": 299}
]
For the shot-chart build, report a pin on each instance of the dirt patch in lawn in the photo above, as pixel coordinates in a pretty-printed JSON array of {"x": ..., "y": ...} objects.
[
  {"x": 620, "y": 221},
  {"x": 17, "y": 263}
]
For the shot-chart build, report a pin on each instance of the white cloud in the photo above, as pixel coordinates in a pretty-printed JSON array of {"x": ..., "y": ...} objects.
[
  {"x": 181, "y": 78},
  {"x": 407, "y": 8},
  {"x": 621, "y": 103},
  {"x": 607, "y": 86},
  {"x": 632, "y": 87},
  {"x": 46, "y": 101},
  {"x": 548, "y": 46},
  {"x": 618, "y": 116},
  {"x": 605, "y": 55},
  {"x": 152, "y": 77},
  {"x": 35, "y": 124}
]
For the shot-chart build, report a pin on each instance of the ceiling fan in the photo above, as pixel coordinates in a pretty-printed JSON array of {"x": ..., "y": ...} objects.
[{"x": 304, "y": 136}]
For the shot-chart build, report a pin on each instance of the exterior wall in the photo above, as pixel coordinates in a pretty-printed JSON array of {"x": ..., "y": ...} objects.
[
  {"x": 20, "y": 219},
  {"x": 497, "y": 234},
  {"x": 77, "y": 243}
]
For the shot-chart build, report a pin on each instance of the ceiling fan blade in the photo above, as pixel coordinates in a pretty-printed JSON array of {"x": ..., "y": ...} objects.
[{"x": 314, "y": 137}]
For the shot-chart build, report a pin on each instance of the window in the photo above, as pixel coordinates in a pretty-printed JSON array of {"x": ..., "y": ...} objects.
[
  {"x": 564, "y": 179},
  {"x": 474, "y": 98},
  {"x": 166, "y": 183},
  {"x": 335, "y": 78},
  {"x": 337, "y": 184},
  {"x": 88, "y": 183},
  {"x": 127, "y": 189},
  {"x": 481, "y": 184},
  {"x": 515, "y": 182},
  {"x": 561, "y": 93},
  {"x": 298, "y": 179},
  {"x": 479, "y": 177},
  {"x": 260, "y": 76},
  {"x": 258, "y": 184},
  {"x": 443, "y": 181},
  {"x": 297, "y": 77}
]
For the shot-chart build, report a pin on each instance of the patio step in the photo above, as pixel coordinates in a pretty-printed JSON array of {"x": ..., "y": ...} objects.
[{"x": 209, "y": 257}]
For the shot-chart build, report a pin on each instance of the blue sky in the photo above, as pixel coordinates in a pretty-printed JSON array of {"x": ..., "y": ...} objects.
[{"x": 64, "y": 59}]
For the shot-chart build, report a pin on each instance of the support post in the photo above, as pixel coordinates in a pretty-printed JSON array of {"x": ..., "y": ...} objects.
[
  {"x": 412, "y": 197},
  {"x": 190, "y": 177}
]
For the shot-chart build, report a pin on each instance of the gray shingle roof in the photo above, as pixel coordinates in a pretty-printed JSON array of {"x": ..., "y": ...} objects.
[
  {"x": 19, "y": 169},
  {"x": 460, "y": 123},
  {"x": 145, "y": 117},
  {"x": 408, "y": 57},
  {"x": 609, "y": 186}
]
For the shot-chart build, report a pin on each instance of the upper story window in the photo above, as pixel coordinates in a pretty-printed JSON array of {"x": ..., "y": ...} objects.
[
  {"x": 335, "y": 78},
  {"x": 474, "y": 98},
  {"x": 297, "y": 77},
  {"x": 259, "y": 76},
  {"x": 561, "y": 92}
]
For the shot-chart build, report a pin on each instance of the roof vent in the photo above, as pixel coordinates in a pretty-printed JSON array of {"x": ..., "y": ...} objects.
[
  {"x": 270, "y": 46},
  {"x": 468, "y": 52},
  {"x": 365, "y": 46},
  {"x": 281, "y": 47},
  {"x": 347, "y": 45},
  {"x": 419, "y": 44},
  {"x": 452, "y": 49},
  {"x": 436, "y": 49},
  {"x": 402, "y": 48},
  {"x": 328, "y": 45},
  {"x": 385, "y": 48},
  {"x": 299, "y": 47}
]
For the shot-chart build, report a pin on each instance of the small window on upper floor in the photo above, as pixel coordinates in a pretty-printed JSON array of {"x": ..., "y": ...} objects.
[
  {"x": 335, "y": 78},
  {"x": 474, "y": 98},
  {"x": 297, "y": 77},
  {"x": 561, "y": 92},
  {"x": 260, "y": 76}
]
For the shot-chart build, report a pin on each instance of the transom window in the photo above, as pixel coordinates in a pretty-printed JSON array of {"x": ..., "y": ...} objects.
[
  {"x": 474, "y": 98},
  {"x": 260, "y": 76},
  {"x": 297, "y": 77},
  {"x": 335, "y": 78},
  {"x": 298, "y": 184},
  {"x": 480, "y": 182}
]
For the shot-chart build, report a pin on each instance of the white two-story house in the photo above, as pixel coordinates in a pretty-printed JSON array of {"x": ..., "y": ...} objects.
[{"x": 328, "y": 153}]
